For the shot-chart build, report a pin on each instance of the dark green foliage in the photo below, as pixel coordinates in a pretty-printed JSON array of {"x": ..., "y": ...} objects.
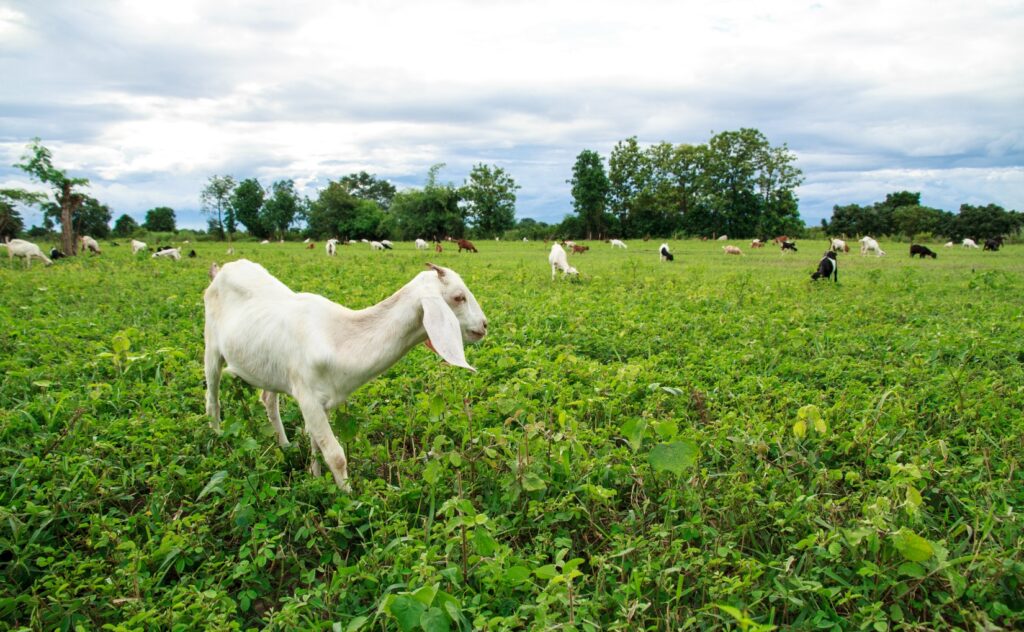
[
  {"x": 281, "y": 207},
  {"x": 590, "y": 189},
  {"x": 125, "y": 226},
  {"x": 716, "y": 444},
  {"x": 247, "y": 200},
  {"x": 490, "y": 198},
  {"x": 365, "y": 186},
  {"x": 160, "y": 219}
]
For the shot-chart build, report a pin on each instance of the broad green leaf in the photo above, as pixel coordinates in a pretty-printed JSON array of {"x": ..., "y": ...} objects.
[
  {"x": 407, "y": 611},
  {"x": 546, "y": 572},
  {"x": 633, "y": 430},
  {"x": 214, "y": 484},
  {"x": 912, "y": 569},
  {"x": 912, "y": 546},
  {"x": 485, "y": 544},
  {"x": 346, "y": 427},
  {"x": 675, "y": 457},
  {"x": 425, "y": 594},
  {"x": 436, "y": 407},
  {"x": 356, "y": 624},
  {"x": 517, "y": 575},
  {"x": 533, "y": 483},
  {"x": 435, "y": 620},
  {"x": 913, "y": 497},
  {"x": 432, "y": 472},
  {"x": 800, "y": 428}
]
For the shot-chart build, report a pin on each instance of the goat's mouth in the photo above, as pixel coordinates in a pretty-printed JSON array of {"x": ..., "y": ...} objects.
[{"x": 474, "y": 335}]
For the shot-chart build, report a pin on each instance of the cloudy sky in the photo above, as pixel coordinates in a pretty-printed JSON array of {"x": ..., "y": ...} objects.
[{"x": 148, "y": 98}]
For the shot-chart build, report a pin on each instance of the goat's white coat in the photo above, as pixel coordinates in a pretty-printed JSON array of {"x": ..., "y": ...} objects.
[
  {"x": 969, "y": 243},
  {"x": 838, "y": 245},
  {"x": 867, "y": 244},
  {"x": 317, "y": 351},
  {"x": 90, "y": 244},
  {"x": 948, "y": 244},
  {"x": 137, "y": 246},
  {"x": 421, "y": 245},
  {"x": 332, "y": 247},
  {"x": 617, "y": 243},
  {"x": 26, "y": 249},
  {"x": 376, "y": 245},
  {"x": 559, "y": 260},
  {"x": 173, "y": 253},
  {"x": 732, "y": 250},
  {"x": 663, "y": 250},
  {"x": 723, "y": 238}
]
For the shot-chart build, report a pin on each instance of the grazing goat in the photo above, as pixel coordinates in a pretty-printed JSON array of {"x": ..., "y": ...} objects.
[
  {"x": 138, "y": 246},
  {"x": 788, "y": 245},
  {"x": 191, "y": 254},
  {"x": 319, "y": 352},
  {"x": 172, "y": 253},
  {"x": 387, "y": 244},
  {"x": 438, "y": 248},
  {"x": 723, "y": 238},
  {"x": 311, "y": 245},
  {"x": 828, "y": 266},
  {"x": 465, "y": 244},
  {"x": 421, "y": 244},
  {"x": 756, "y": 243},
  {"x": 838, "y": 245},
  {"x": 90, "y": 244},
  {"x": 948, "y": 244},
  {"x": 578, "y": 249},
  {"x": 26, "y": 249},
  {"x": 618, "y": 243},
  {"x": 665, "y": 254},
  {"x": 732, "y": 250},
  {"x": 331, "y": 247},
  {"x": 376, "y": 245},
  {"x": 867, "y": 244},
  {"x": 559, "y": 260},
  {"x": 992, "y": 244},
  {"x": 969, "y": 243},
  {"x": 781, "y": 239},
  {"x": 921, "y": 251},
  {"x": 56, "y": 254}
]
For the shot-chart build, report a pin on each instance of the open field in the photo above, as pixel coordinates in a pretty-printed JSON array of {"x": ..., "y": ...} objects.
[{"x": 714, "y": 443}]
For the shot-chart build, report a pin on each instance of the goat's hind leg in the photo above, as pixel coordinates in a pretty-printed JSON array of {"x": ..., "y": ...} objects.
[
  {"x": 271, "y": 403},
  {"x": 214, "y": 365}
]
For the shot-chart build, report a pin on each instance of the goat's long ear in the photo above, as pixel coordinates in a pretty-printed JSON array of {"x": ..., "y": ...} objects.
[
  {"x": 438, "y": 269},
  {"x": 444, "y": 331}
]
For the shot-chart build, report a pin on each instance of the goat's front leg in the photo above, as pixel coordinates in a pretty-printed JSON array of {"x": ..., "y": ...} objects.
[
  {"x": 213, "y": 368},
  {"x": 319, "y": 428},
  {"x": 270, "y": 402}
]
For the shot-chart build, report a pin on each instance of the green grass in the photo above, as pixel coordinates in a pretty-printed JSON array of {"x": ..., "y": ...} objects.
[{"x": 717, "y": 443}]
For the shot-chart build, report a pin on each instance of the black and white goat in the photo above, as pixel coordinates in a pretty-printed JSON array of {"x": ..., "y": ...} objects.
[
  {"x": 921, "y": 251},
  {"x": 665, "y": 254},
  {"x": 827, "y": 267}
]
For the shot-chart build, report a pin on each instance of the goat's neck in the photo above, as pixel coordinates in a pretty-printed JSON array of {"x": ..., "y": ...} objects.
[{"x": 381, "y": 334}]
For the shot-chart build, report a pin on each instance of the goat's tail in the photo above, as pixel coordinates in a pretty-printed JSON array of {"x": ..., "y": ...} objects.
[{"x": 214, "y": 269}]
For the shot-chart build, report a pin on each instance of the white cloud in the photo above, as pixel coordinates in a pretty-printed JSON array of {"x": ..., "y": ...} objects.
[{"x": 162, "y": 95}]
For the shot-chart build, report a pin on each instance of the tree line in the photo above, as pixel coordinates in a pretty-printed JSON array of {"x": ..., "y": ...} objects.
[
  {"x": 736, "y": 184},
  {"x": 901, "y": 214}
]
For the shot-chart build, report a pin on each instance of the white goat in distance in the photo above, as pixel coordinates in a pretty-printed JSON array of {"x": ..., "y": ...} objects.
[{"x": 319, "y": 352}]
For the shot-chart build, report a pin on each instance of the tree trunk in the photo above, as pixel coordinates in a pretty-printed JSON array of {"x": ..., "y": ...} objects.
[{"x": 69, "y": 203}]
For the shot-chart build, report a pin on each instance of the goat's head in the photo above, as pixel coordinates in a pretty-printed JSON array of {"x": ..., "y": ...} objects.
[{"x": 451, "y": 315}]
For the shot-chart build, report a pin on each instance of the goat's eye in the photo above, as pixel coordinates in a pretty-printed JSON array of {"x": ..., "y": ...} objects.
[{"x": 459, "y": 298}]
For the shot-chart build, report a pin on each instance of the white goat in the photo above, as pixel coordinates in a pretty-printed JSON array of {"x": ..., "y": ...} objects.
[
  {"x": 969, "y": 243},
  {"x": 723, "y": 238},
  {"x": 26, "y": 249},
  {"x": 560, "y": 261},
  {"x": 867, "y": 244},
  {"x": 318, "y": 351},
  {"x": 387, "y": 243},
  {"x": 376, "y": 245},
  {"x": 732, "y": 250},
  {"x": 421, "y": 244},
  {"x": 617, "y": 243},
  {"x": 838, "y": 245},
  {"x": 948, "y": 244},
  {"x": 90, "y": 244},
  {"x": 173, "y": 253},
  {"x": 138, "y": 246},
  {"x": 332, "y": 247}
]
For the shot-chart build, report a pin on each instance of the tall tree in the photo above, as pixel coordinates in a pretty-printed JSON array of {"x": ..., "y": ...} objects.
[
  {"x": 11, "y": 222},
  {"x": 247, "y": 201},
  {"x": 280, "y": 209},
  {"x": 38, "y": 163},
  {"x": 590, "y": 192},
  {"x": 489, "y": 194},
  {"x": 160, "y": 219},
  {"x": 629, "y": 183},
  {"x": 125, "y": 226},
  {"x": 365, "y": 186},
  {"x": 92, "y": 218},
  {"x": 216, "y": 203}
]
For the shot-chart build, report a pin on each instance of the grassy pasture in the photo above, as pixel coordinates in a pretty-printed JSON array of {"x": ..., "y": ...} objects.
[{"x": 716, "y": 443}]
